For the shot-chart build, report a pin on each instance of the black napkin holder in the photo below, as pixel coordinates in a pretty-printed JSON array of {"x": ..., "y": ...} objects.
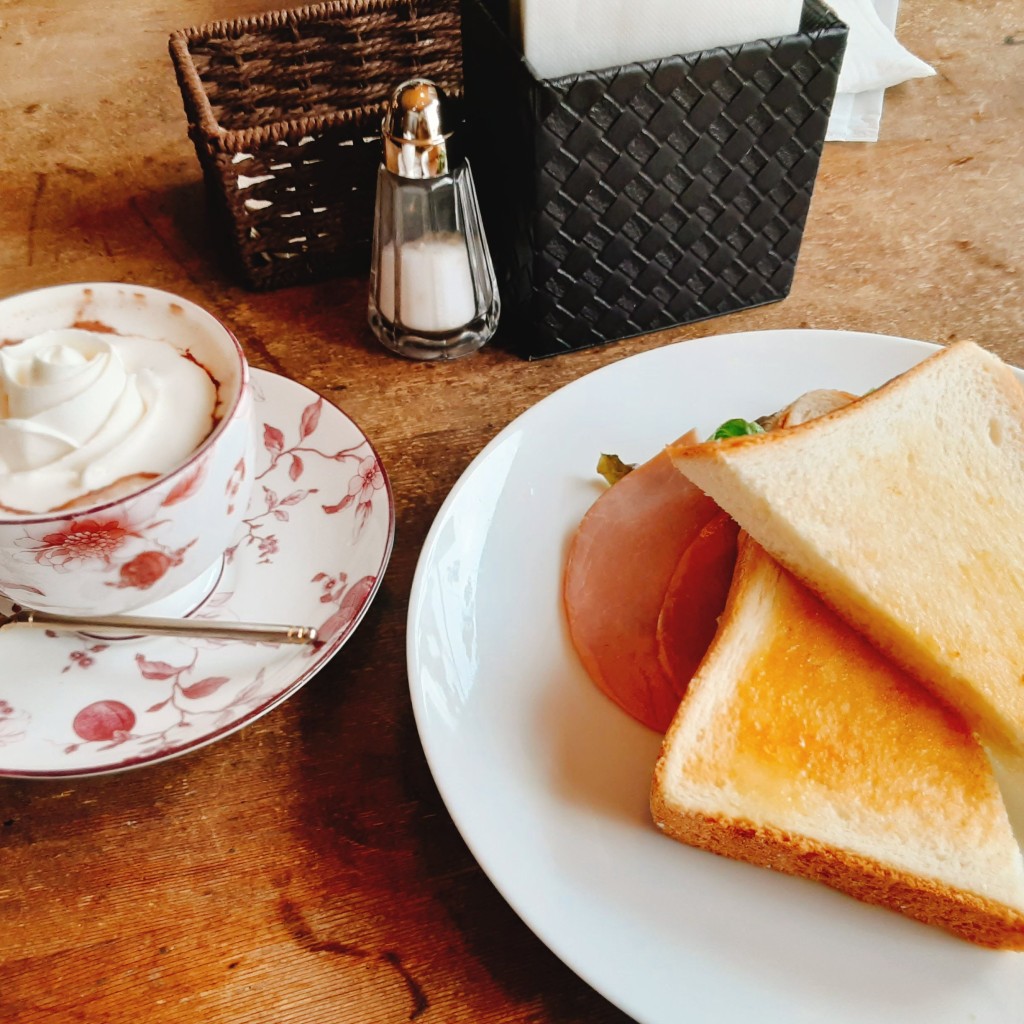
[{"x": 636, "y": 198}]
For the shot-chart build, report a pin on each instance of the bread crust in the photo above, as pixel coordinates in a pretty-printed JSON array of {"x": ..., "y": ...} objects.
[{"x": 974, "y": 918}]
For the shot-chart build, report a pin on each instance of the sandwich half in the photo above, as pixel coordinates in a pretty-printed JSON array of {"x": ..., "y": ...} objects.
[
  {"x": 801, "y": 748},
  {"x": 904, "y": 511}
]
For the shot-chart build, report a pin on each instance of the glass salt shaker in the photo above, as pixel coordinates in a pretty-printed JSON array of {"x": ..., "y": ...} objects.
[{"x": 433, "y": 293}]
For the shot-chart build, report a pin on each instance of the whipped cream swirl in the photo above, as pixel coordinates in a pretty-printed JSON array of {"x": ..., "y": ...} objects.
[{"x": 81, "y": 410}]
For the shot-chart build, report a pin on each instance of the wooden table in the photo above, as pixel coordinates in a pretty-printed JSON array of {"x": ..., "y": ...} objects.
[{"x": 305, "y": 869}]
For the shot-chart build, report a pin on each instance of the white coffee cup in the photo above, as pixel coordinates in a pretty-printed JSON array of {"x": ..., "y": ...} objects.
[{"x": 158, "y": 547}]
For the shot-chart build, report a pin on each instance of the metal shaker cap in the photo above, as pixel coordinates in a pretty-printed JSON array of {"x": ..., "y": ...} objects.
[{"x": 416, "y": 130}]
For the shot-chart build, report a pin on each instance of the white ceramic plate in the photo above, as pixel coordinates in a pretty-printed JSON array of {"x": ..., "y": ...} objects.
[
  {"x": 548, "y": 781},
  {"x": 311, "y": 551}
]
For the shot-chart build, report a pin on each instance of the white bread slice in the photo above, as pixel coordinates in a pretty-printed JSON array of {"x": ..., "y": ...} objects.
[
  {"x": 905, "y": 512},
  {"x": 800, "y": 748}
]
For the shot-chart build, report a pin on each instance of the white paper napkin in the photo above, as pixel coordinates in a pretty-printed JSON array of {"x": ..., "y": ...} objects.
[
  {"x": 874, "y": 61},
  {"x": 562, "y": 37}
]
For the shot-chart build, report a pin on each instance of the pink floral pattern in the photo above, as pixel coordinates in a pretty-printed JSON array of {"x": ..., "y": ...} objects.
[
  {"x": 289, "y": 462},
  {"x": 81, "y": 657},
  {"x": 238, "y": 477},
  {"x": 104, "y": 720},
  {"x": 148, "y": 567},
  {"x": 92, "y": 540},
  {"x": 97, "y": 544},
  {"x": 93, "y": 543},
  {"x": 365, "y": 482},
  {"x": 350, "y": 600},
  {"x": 143, "y": 700},
  {"x": 186, "y": 487}
]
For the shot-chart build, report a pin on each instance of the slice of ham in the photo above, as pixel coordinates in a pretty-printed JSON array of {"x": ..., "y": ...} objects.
[
  {"x": 647, "y": 576},
  {"x": 621, "y": 561},
  {"x": 695, "y": 599}
]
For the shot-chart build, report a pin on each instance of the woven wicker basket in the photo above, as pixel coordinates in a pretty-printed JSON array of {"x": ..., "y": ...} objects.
[{"x": 284, "y": 110}]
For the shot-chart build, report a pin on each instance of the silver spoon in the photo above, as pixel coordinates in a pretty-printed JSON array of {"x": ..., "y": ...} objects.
[{"x": 142, "y": 624}]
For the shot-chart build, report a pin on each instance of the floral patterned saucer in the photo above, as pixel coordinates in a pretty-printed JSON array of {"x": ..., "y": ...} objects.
[{"x": 312, "y": 551}]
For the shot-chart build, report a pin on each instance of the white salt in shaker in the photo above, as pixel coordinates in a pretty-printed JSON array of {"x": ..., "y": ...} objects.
[{"x": 433, "y": 293}]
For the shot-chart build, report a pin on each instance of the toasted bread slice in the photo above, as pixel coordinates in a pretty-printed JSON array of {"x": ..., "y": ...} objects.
[
  {"x": 904, "y": 511},
  {"x": 800, "y": 748}
]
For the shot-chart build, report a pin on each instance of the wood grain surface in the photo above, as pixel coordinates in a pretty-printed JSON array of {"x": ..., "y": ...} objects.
[{"x": 305, "y": 869}]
